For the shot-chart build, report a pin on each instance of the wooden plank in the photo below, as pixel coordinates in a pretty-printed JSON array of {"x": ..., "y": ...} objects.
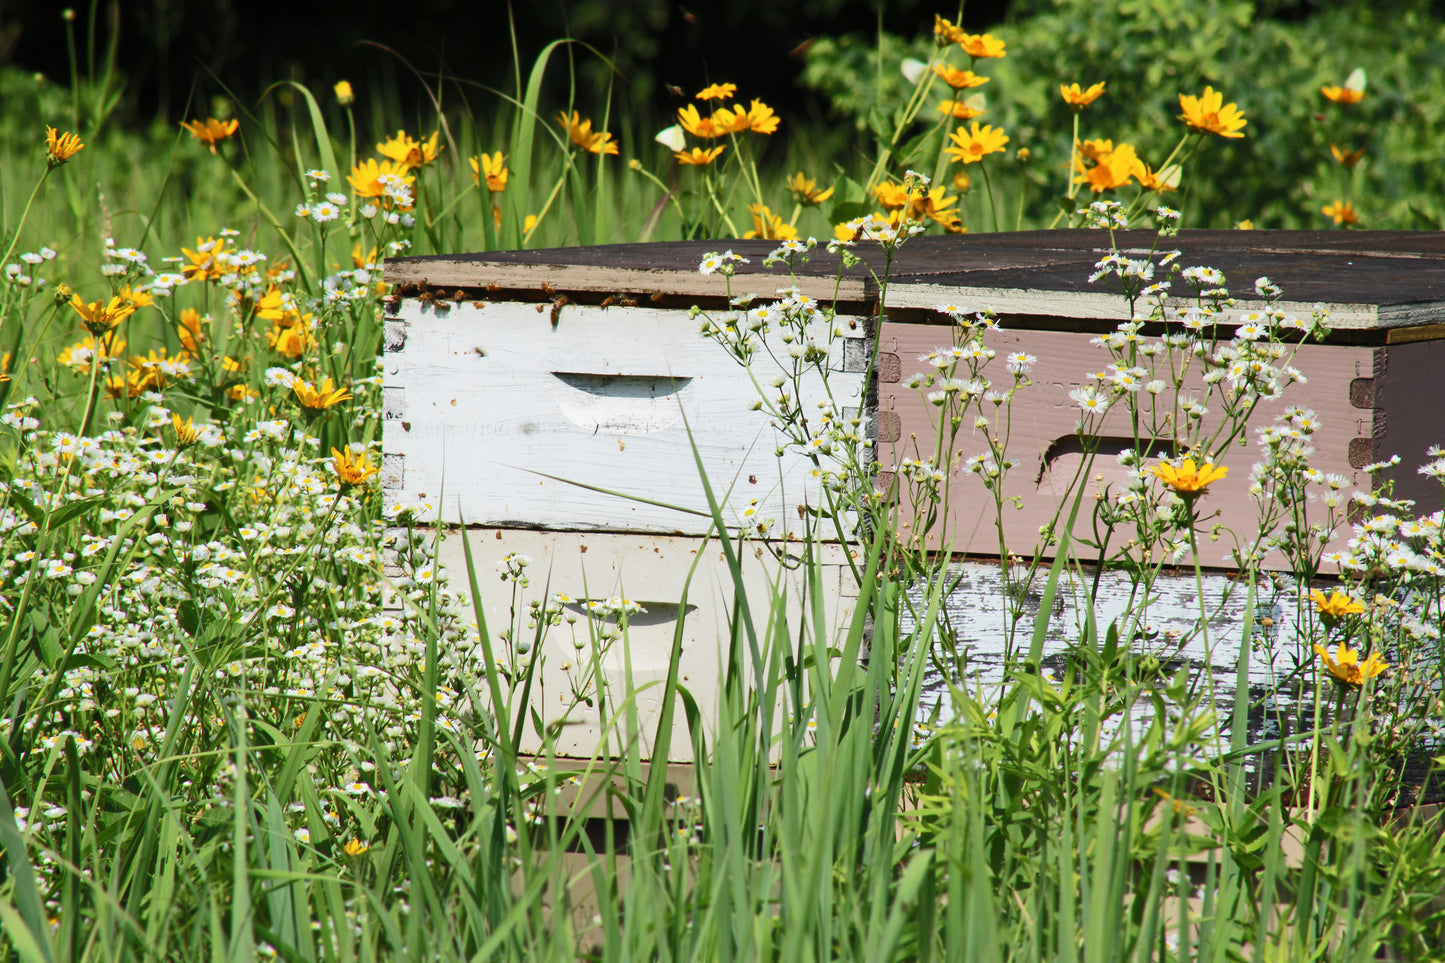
[
  {"x": 1378, "y": 282},
  {"x": 1372, "y": 280},
  {"x": 973, "y": 630},
  {"x": 1042, "y": 436},
  {"x": 990, "y": 292},
  {"x": 1421, "y": 332},
  {"x": 484, "y": 403},
  {"x": 636, "y": 269}
]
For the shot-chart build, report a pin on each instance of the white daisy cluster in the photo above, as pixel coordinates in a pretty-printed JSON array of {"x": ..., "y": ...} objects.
[
  {"x": 23, "y": 274},
  {"x": 1106, "y": 215},
  {"x": 725, "y": 263}
]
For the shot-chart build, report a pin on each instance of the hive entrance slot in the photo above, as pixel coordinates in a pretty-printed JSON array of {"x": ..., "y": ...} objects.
[
  {"x": 653, "y": 613},
  {"x": 619, "y": 402},
  {"x": 622, "y": 386},
  {"x": 1061, "y": 459}
]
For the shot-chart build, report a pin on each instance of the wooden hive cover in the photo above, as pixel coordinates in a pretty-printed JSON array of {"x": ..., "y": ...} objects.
[{"x": 1374, "y": 281}]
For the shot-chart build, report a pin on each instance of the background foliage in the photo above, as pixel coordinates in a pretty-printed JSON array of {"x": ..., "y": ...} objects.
[{"x": 1149, "y": 51}]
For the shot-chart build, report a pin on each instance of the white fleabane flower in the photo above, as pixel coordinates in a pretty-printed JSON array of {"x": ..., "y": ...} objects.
[
  {"x": 1089, "y": 400},
  {"x": 1021, "y": 362}
]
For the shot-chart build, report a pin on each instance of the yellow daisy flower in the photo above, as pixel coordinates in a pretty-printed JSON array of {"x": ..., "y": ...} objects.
[
  {"x": 972, "y": 145},
  {"x": 351, "y": 470},
  {"x": 1346, "y": 666},
  {"x": 60, "y": 148},
  {"x": 1075, "y": 97},
  {"x": 212, "y": 131},
  {"x": 321, "y": 396},
  {"x": 492, "y": 168},
  {"x": 698, "y": 156},
  {"x": 717, "y": 91},
  {"x": 1189, "y": 478},
  {"x": 1209, "y": 114}
]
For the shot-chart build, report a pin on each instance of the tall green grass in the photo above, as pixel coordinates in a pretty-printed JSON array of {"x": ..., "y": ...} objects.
[{"x": 218, "y": 743}]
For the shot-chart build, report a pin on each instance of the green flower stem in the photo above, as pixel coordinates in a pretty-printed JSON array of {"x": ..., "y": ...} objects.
[
  {"x": 102, "y": 345},
  {"x": 285, "y": 236},
  {"x": 302, "y": 556},
  {"x": 1071, "y": 186},
  {"x": 24, "y": 213},
  {"x": 988, "y": 186},
  {"x": 552, "y": 197},
  {"x": 718, "y": 206}
]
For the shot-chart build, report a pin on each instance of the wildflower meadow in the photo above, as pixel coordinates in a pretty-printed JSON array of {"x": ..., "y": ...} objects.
[{"x": 245, "y": 713}]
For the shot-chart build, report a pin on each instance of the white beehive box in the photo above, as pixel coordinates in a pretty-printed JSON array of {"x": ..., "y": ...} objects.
[{"x": 571, "y": 432}]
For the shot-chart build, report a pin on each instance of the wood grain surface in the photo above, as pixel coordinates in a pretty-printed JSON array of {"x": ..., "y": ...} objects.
[
  {"x": 589, "y": 423},
  {"x": 1042, "y": 435}
]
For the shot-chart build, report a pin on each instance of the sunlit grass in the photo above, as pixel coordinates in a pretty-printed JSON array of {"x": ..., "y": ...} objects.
[{"x": 216, "y": 739}]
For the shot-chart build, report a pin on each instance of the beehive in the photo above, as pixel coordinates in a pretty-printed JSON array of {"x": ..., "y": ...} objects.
[
  {"x": 563, "y": 405},
  {"x": 525, "y": 390}
]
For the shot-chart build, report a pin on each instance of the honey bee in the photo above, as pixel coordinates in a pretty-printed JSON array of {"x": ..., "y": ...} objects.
[{"x": 557, "y": 305}]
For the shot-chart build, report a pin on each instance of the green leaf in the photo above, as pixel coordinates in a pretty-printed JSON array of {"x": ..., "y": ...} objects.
[
  {"x": 846, "y": 189},
  {"x": 1111, "y": 643},
  {"x": 23, "y": 893},
  {"x": 65, "y": 513},
  {"x": 318, "y": 129},
  {"x": 189, "y": 617},
  {"x": 27, "y": 506},
  {"x": 1431, "y": 221}
]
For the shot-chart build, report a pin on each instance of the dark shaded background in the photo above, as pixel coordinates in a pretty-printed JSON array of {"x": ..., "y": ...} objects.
[{"x": 170, "y": 48}]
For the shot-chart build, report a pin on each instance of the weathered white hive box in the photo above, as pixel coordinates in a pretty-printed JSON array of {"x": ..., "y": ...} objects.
[
  {"x": 552, "y": 403},
  {"x": 524, "y": 388}
]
